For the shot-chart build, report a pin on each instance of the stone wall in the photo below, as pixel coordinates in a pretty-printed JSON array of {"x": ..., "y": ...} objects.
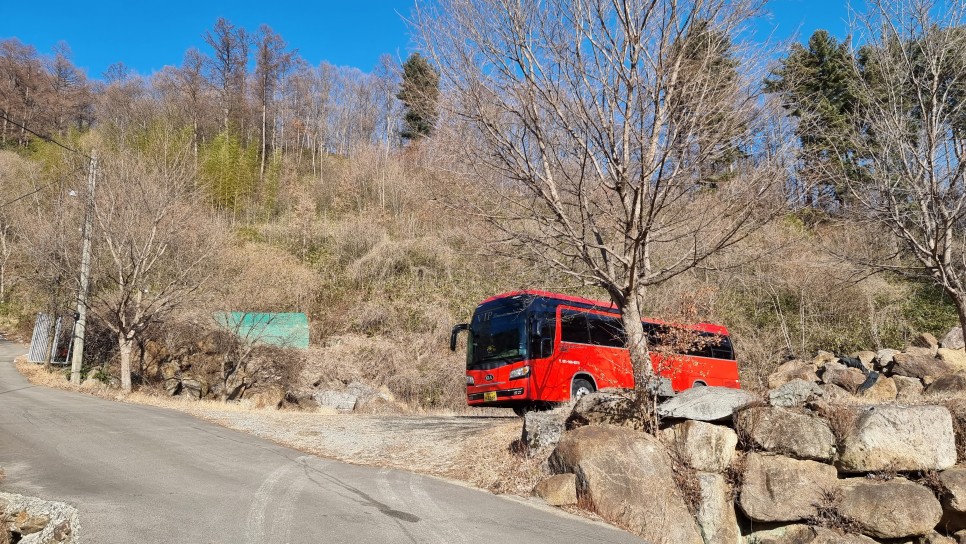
[{"x": 859, "y": 448}]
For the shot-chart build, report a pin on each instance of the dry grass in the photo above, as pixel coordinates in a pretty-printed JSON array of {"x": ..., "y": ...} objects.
[
  {"x": 842, "y": 419},
  {"x": 828, "y": 515}
]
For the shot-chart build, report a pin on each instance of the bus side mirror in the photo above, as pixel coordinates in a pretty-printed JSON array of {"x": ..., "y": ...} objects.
[
  {"x": 538, "y": 326},
  {"x": 456, "y": 330}
]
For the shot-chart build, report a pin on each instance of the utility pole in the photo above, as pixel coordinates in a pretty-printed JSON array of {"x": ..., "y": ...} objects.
[{"x": 80, "y": 324}]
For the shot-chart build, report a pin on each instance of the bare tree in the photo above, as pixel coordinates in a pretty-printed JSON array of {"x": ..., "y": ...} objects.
[
  {"x": 272, "y": 64},
  {"x": 155, "y": 242},
  {"x": 910, "y": 82},
  {"x": 228, "y": 66},
  {"x": 588, "y": 122}
]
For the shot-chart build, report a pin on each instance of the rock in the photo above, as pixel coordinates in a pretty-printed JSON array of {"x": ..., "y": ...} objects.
[
  {"x": 706, "y": 403},
  {"x": 795, "y": 369},
  {"x": 365, "y": 393},
  {"x": 947, "y": 384},
  {"x": 824, "y": 357},
  {"x": 703, "y": 446},
  {"x": 777, "y": 488},
  {"x": 195, "y": 388},
  {"x": 894, "y": 508},
  {"x": 845, "y": 377},
  {"x": 935, "y": 538},
  {"x": 956, "y": 358},
  {"x": 39, "y": 521},
  {"x": 953, "y": 339},
  {"x": 627, "y": 476},
  {"x": 786, "y": 432},
  {"x": 805, "y": 534},
  {"x": 336, "y": 400},
  {"x": 794, "y": 393},
  {"x": 907, "y": 389},
  {"x": 716, "y": 511},
  {"x": 832, "y": 393},
  {"x": 925, "y": 340},
  {"x": 899, "y": 438},
  {"x": 172, "y": 386},
  {"x": 605, "y": 407},
  {"x": 961, "y": 536},
  {"x": 867, "y": 358},
  {"x": 884, "y": 359},
  {"x": 920, "y": 365},
  {"x": 27, "y": 523},
  {"x": 954, "y": 500},
  {"x": 883, "y": 390},
  {"x": 542, "y": 429},
  {"x": 558, "y": 490}
]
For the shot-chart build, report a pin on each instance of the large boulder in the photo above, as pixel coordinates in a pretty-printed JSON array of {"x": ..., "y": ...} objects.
[
  {"x": 606, "y": 407},
  {"x": 920, "y": 365},
  {"x": 947, "y": 384},
  {"x": 847, "y": 378},
  {"x": 342, "y": 401},
  {"x": 795, "y": 393},
  {"x": 805, "y": 534},
  {"x": 795, "y": 369},
  {"x": 706, "y": 403},
  {"x": 953, "y": 339},
  {"x": 542, "y": 429},
  {"x": 704, "y": 446},
  {"x": 778, "y": 488},
  {"x": 38, "y": 521},
  {"x": 953, "y": 357},
  {"x": 925, "y": 340},
  {"x": 883, "y": 390},
  {"x": 716, "y": 511},
  {"x": 558, "y": 490},
  {"x": 627, "y": 476},
  {"x": 786, "y": 432},
  {"x": 954, "y": 499},
  {"x": 898, "y": 438},
  {"x": 907, "y": 389},
  {"x": 894, "y": 508}
]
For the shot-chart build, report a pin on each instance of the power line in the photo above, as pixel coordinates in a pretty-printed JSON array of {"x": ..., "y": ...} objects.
[
  {"x": 3, "y": 115},
  {"x": 21, "y": 197}
]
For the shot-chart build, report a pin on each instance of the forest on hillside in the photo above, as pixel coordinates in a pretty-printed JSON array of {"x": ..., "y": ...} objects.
[{"x": 649, "y": 155}]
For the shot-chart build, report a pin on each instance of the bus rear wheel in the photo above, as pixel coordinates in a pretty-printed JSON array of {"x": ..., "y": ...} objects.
[
  {"x": 580, "y": 388},
  {"x": 522, "y": 410}
]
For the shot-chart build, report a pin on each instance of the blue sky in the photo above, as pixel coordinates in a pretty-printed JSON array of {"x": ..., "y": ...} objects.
[{"x": 149, "y": 35}]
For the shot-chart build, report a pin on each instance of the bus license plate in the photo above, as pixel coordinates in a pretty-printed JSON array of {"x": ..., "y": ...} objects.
[{"x": 489, "y": 396}]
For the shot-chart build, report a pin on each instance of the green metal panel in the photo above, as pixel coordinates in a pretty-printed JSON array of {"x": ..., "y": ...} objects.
[{"x": 289, "y": 330}]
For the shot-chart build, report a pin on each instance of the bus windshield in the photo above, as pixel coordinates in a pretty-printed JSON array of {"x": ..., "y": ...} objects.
[{"x": 498, "y": 335}]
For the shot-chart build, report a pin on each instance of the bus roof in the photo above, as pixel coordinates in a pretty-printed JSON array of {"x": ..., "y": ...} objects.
[{"x": 703, "y": 327}]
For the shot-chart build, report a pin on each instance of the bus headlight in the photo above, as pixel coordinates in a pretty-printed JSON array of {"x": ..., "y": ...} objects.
[
  {"x": 469, "y": 380},
  {"x": 519, "y": 372}
]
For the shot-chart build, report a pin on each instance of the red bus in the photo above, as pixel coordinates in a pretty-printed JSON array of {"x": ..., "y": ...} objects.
[{"x": 533, "y": 348}]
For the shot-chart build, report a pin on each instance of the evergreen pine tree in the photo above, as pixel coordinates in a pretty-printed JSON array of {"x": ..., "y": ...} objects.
[
  {"x": 419, "y": 92},
  {"x": 816, "y": 81}
]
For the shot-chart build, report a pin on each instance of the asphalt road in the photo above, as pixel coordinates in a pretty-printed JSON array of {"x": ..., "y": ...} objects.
[{"x": 150, "y": 475}]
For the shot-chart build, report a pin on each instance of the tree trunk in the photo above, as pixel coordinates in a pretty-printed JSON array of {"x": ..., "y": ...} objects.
[
  {"x": 126, "y": 346},
  {"x": 637, "y": 342}
]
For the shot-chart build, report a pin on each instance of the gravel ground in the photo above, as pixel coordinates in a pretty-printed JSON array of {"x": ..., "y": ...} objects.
[{"x": 430, "y": 444}]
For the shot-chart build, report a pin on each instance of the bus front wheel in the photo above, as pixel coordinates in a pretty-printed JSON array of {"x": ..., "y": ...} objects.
[{"x": 580, "y": 388}]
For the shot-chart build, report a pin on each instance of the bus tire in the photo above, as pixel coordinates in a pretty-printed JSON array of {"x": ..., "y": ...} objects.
[
  {"x": 580, "y": 388},
  {"x": 522, "y": 410}
]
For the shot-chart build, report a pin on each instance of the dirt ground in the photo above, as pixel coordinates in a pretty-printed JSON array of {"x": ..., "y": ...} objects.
[{"x": 475, "y": 449}]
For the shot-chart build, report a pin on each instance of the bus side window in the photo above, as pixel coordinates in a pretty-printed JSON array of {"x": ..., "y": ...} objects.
[
  {"x": 606, "y": 331},
  {"x": 573, "y": 327}
]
